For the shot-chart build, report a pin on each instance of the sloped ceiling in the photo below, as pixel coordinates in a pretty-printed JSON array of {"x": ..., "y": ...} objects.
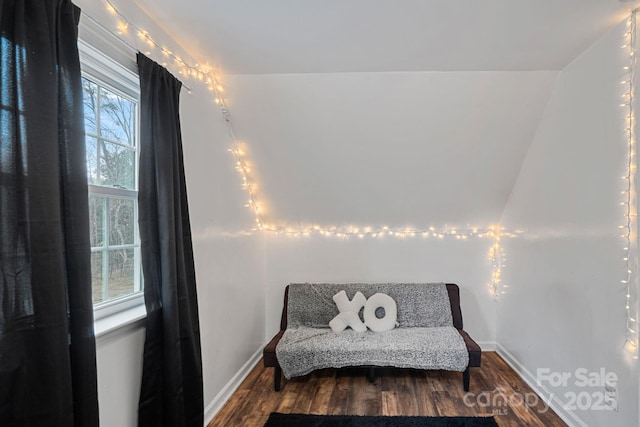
[
  {"x": 326, "y": 36},
  {"x": 397, "y": 149},
  {"x": 404, "y": 113}
]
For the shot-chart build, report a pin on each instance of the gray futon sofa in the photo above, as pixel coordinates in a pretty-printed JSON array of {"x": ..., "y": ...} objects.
[{"x": 428, "y": 334}]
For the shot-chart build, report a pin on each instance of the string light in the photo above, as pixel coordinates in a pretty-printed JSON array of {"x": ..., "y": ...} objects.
[
  {"x": 207, "y": 75},
  {"x": 496, "y": 256},
  {"x": 457, "y": 233},
  {"x": 250, "y": 183},
  {"x": 629, "y": 194},
  {"x": 124, "y": 26}
]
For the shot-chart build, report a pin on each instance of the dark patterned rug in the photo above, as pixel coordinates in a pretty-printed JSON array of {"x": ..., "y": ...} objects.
[{"x": 301, "y": 420}]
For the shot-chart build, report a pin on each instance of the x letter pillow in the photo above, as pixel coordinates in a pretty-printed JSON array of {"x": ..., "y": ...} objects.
[{"x": 348, "y": 312}]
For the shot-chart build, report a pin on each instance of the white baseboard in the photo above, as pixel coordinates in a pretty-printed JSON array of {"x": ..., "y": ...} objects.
[
  {"x": 568, "y": 416},
  {"x": 221, "y": 398}
]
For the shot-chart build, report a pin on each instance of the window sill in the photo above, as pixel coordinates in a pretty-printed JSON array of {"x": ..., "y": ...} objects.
[{"x": 118, "y": 323}]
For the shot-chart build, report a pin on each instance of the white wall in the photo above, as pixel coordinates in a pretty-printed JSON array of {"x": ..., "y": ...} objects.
[
  {"x": 229, "y": 267},
  {"x": 119, "y": 359},
  {"x": 564, "y": 306},
  {"x": 399, "y": 149},
  {"x": 321, "y": 259}
]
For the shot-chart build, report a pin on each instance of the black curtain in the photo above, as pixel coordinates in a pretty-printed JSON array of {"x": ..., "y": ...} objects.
[
  {"x": 47, "y": 343},
  {"x": 171, "y": 393}
]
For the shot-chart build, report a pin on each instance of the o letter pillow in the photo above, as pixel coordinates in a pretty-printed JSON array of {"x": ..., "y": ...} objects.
[{"x": 388, "y": 322}]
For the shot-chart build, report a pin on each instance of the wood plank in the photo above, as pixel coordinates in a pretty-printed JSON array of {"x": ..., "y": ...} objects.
[
  {"x": 393, "y": 392},
  {"x": 390, "y": 403}
]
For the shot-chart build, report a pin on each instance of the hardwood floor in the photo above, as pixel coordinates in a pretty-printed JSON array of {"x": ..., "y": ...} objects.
[{"x": 495, "y": 390}]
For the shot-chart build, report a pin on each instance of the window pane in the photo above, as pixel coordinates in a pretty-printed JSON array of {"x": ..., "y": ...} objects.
[
  {"x": 121, "y": 272},
  {"x": 92, "y": 160},
  {"x": 121, "y": 221},
  {"x": 96, "y": 220},
  {"x": 117, "y": 166},
  {"x": 96, "y": 276},
  {"x": 117, "y": 118},
  {"x": 90, "y": 98}
]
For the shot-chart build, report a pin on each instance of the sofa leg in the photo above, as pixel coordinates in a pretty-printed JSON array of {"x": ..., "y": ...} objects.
[
  {"x": 277, "y": 376},
  {"x": 371, "y": 374},
  {"x": 466, "y": 375}
]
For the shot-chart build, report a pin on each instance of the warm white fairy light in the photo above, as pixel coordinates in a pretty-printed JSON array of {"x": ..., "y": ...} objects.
[
  {"x": 629, "y": 194},
  {"x": 457, "y": 233},
  {"x": 496, "y": 257},
  {"x": 124, "y": 27},
  {"x": 206, "y": 75},
  {"x": 250, "y": 183},
  {"x": 111, "y": 8}
]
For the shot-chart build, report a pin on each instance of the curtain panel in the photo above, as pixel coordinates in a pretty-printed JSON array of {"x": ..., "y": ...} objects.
[
  {"x": 171, "y": 393},
  {"x": 47, "y": 343}
]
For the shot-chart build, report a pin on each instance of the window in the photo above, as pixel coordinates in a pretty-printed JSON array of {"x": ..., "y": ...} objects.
[{"x": 110, "y": 95}]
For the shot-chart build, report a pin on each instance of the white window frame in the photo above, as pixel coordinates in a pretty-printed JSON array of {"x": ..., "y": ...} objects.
[{"x": 118, "y": 79}]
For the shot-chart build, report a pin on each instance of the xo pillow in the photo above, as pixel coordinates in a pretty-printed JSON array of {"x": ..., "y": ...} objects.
[{"x": 348, "y": 312}]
